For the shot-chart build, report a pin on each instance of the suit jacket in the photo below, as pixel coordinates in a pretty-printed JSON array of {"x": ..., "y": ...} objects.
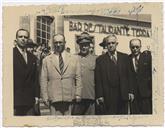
[
  {"x": 26, "y": 84},
  {"x": 102, "y": 76},
  {"x": 142, "y": 79},
  {"x": 57, "y": 86}
]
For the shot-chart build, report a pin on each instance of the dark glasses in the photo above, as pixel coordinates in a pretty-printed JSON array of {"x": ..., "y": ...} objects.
[{"x": 111, "y": 43}]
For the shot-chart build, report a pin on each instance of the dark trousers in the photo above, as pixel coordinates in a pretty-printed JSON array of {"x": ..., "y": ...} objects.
[
  {"x": 142, "y": 105},
  {"x": 60, "y": 108},
  {"x": 24, "y": 110},
  {"x": 145, "y": 106}
]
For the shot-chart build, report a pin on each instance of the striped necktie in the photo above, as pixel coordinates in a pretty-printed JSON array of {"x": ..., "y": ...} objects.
[
  {"x": 113, "y": 58},
  {"x": 136, "y": 63},
  {"x": 61, "y": 63}
]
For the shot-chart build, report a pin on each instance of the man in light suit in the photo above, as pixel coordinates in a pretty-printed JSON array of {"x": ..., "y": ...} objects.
[
  {"x": 141, "y": 67},
  {"x": 112, "y": 78},
  {"x": 60, "y": 79},
  {"x": 26, "y": 84}
]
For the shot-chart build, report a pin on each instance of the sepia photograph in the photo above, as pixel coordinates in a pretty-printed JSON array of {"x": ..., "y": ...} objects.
[{"x": 83, "y": 64}]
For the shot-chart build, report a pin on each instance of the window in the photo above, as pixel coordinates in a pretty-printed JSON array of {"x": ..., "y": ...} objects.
[{"x": 44, "y": 29}]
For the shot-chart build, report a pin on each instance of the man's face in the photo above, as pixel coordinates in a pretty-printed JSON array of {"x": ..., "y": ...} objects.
[
  {"x": 111, "y": 44},
  {"x": 59, "y": 43},
  {"x": 135, "y": 47},
  {"x": 84, "y": 48},
  {"x": 22, "y": 38},
  {"x": 30, "y": 50}
]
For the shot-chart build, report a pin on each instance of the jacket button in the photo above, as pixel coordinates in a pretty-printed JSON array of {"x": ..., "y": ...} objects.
[{"x": 61, "y": 78}]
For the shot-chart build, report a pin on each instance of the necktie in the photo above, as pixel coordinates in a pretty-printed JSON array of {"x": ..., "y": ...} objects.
[
  {"x": 113, "y": 58},
  {"x": 136, "y": 63},
  {"x": 61, "y": 63}
]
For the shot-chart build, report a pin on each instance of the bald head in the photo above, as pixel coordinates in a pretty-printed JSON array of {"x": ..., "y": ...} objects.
[
  {"x": 59, "y": 43},
  {"x": 135, "y": 46},
  {"x": 58, "y": 37}
]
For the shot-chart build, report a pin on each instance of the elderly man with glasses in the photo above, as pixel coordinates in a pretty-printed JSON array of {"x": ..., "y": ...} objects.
[{"x": 141, "y": 67}]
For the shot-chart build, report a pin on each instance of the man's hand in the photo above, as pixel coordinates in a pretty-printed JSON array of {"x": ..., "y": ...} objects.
[
  {"x": 100, "y": 100},
  {"x": 47, "y": 103},
  {"x": 78, "y": 98},
  {"x": 131, "y": 97},
  {"x": 37, "y": 100}
]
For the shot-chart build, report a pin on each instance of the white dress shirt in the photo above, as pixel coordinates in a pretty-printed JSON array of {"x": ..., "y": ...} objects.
[
  {"x": 23, "y": 53},
  {"x": 115, "y": 55},
  {"x": 133, "y": 60},
  {"x": 63, "y": 56}
]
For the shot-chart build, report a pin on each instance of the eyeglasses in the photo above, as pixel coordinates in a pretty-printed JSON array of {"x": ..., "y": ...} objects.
[{"x": 133, "y": 47}]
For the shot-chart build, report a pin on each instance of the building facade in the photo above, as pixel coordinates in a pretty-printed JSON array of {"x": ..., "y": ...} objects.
[{"x": 43, "y": 27}]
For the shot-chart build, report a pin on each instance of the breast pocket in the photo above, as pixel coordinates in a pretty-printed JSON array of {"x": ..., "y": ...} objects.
[{"x": 91, "y": 66}]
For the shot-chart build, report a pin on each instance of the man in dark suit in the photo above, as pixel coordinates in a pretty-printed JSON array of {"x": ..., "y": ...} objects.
[
  {"x": 141, "y": 67},
  {"x": 112, "y": 73},
  {"x": 26, "y": 85}
]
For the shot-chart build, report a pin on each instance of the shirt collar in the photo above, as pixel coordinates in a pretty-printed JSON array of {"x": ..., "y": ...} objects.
[
  {"x": 63, "y": 54},
  {"x": 84, "y": 56},
  {"x": 115, "y": 54},
  {"x": 21, "y": 50},
  {"x": 137, "y": 56}
]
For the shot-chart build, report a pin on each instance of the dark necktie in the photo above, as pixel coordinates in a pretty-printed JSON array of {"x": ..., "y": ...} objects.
[
  {"x": 113, "y": 58},
  {"x": 61, "y": 63},
  {"x": 136, "y": 63}
]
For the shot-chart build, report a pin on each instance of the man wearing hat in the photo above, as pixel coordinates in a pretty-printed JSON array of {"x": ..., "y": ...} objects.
[
  {"x": 112, "y": 78},
  {"x": 31, "y": 46},
  {"x": 102, "y": 44},
  {"x": 87, "y": 61}
]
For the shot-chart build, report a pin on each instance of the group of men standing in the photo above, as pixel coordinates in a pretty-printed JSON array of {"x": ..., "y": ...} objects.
[{"x": 79, "y": 84}]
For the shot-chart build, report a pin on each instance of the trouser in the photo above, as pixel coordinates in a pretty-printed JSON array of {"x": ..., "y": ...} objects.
[
  {"x": 23, "y": 110},
  {"x": 60, "y": 108},
  {"x": 84, "y": 107},
  {"x": 145, "y": 105},
  {"x": 141, "y": 105}
]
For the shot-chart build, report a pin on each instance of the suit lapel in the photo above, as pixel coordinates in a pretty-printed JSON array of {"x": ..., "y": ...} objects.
[
  {"x": 107, "y": 64},
  {"x": 140, "y": 62},
  {"x": 119, "y": 60},
  {"x": 29, "y": 59},
  {"x": 55, "y": 63},
  {"x": 20, "y": 57},
  {"x": 66, "y": 62},
  {"x": 131, "y": 63}
]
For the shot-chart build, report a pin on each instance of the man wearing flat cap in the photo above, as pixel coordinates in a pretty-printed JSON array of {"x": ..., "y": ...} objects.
[{"x": 87, "y": 61}]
